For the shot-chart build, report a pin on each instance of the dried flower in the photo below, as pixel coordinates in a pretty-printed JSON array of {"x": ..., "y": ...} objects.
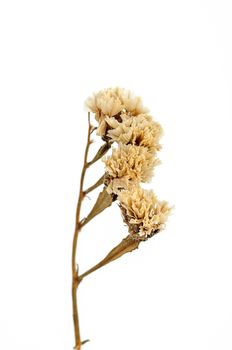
[
  {"x": 127, "y": 166},
  {"x": 141, "y": 130},
  {"x": 112, "y": 102},
  {"x": 144, "y": 214}
]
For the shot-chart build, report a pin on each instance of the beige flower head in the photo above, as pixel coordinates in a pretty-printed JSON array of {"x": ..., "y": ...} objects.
[
  {"x": 144, "y": 214},
  {"x": 127, "y": 166},
  {"x": 141, "y": 130},
  {"x": 112, "y": 102}
]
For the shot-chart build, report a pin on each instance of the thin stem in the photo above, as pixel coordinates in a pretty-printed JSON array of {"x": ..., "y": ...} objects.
[
  {"x": 75, "y": 317},
  {"x": 75, "y": 278}
]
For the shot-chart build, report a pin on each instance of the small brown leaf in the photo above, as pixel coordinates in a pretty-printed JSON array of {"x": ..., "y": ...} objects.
[{"x": 104, "y": 201}]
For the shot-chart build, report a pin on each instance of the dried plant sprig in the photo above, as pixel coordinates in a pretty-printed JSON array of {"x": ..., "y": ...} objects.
[{"x": 122, "y": 120}]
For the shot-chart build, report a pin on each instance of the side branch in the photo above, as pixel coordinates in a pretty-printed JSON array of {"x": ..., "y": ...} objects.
[
  {"x": 96, "y": 185},
  {"x": 103, "y": 201},
  {"x": 127, "y": 245},
  {"x": 101, "y": 152}
]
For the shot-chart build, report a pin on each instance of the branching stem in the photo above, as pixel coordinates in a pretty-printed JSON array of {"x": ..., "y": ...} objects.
[{"x": 101, "y": 204}]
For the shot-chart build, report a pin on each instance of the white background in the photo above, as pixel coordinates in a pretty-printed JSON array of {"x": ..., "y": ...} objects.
[{"x": 175, "y": 291}]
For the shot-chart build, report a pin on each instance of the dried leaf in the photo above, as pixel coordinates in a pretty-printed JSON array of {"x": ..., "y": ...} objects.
[{"x": 104, "y": 201}]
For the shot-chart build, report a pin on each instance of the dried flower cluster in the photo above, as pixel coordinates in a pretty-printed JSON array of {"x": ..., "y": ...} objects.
[
  {"x": 143, "y": 212},
  {"x": 128, "y": 166},
  {"x": 112, "y": 103},
  {"x": 140, "y": 130},
  {"x": 122, "y": 119}
]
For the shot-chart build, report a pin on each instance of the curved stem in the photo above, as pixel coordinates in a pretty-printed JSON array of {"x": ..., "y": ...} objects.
[{"x": 75, "y": 278}]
